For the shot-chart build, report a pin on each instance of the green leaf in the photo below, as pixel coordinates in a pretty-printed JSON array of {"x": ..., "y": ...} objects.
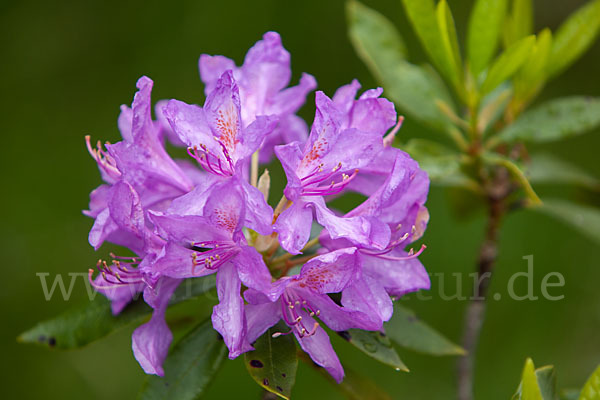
[
  {"x": 355, "y": 386},
  {"x": 408, "y": 331},
  {"x": 537, "y": 384},
  {"x": 422, "y": 16},
  {"x": 569, "y": 394},
  {"x": 529, "y": 384},
  {"x": 375, "y": 38},
  {"x": 530, "y": 79},
  {"x": 190, "y": 366},
  {"x": 517, "y": 173},
  {"x": 574, "y": 37},
  {"x": 414, "y": 89},
  {"x": 591, "y": 389},
  {"x": 441, "y": 163},
  {"x": 519, "y": 21},
  {"x": 485, "y": 24},
  {"x": 273, "y": 363},
  {"x": 554, "y": 120},
  {"x": 584, "y": 218},
  {"x": 358, "y": 387},
  {"x": 493, "y": 106},
  {"x": 546, "y": 379},
  {"x": 93, "y": 320},
  {"x": 376, "y": 345},
  {"x": 449, "y": 40},
  {"x": 545, "y": 168},
  {"x": 507, "y": 64}
]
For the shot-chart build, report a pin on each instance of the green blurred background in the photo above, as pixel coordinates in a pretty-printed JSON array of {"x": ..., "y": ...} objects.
[{"x": 68, "y": 65}]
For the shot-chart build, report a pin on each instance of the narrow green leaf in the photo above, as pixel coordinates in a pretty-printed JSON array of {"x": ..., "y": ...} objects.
[
  {"x": 584, "y": 218},
  {"x": 591, "y": 389},
  {"x": 485, "y": 24},
  {"x": 273, "y": 363},
  {"x": 569, "y": 394},
  {"x": 530, "y": 79},
  {"x": 493, "y": 106},
  {"x": 530, "y": 389},
  {"x": 414, "y": 89},
  {"x": 422, "y": 16},
  {"x": 441, "y": 163},
  {"x": 546, "y": 379},
  {"x": 376, "y": 345},
  {"x": 190, "y": 366},
  {"x": 545, "y": 168},
  {"x": 574, "y": 37},
  {"x": 517, "y": 173},
  {"x": 554, "y": 120},
  {"x": 408, "y": 331},
  {"x": 507, "y": 64},
  {"x": 449, "y": 40},
  {"x": 375, "y": 38},
  {"x": 93, "y": 320},
  {"x": 519, "y": 21}
]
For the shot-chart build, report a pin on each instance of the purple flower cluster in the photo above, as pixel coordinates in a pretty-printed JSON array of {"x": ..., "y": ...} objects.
[{"x": 205, "y": 215}]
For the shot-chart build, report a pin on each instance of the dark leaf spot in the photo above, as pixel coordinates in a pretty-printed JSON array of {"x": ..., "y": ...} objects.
[
  {"x": 256, "y": 363},
  {"x": 382, "y": 334},
  {"x": 266, "y": 382},
  {"x": 284, "y": 375},
  {"x": 51, "y": 342},
  {"x": 345, "y": 334},
  {"x": 279, "y": 388}
]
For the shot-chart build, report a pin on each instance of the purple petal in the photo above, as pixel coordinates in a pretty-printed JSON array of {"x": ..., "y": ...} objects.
[
  {"x": 289, "y": 100},
  {"x": 290, "y": 156},
  {"x": 266, "y": 70},
  {"x": 226, "y": 206},
  {"x": 293, "y": 226},
  {"x": 398, "y": 277},
  {"x": 253, "y": 136},
  {"x": 373, "y": 115},
  {"x": 119, "y": 295},
  {"x": 98, "y": 200},
  {"x": 252, "y": 269},
  {"x": 164, "y": 127},
  {"x": 320, "y": 350},
  {"x": 187, "y": 228},
  {"x": 291, "y": 128},
  {"x": 259, "y": 215},
  {"x": 339, "y": 318},
  {"x": 228, "y": 316},
  {"x": 126, "y": 209},
  {"x": 344, "y": 97},
  {"x": 261, "y": 317},
  {"x": 124, "y": 123},
  {"x": 364, "y": 231},
  {"x": 211, "y": 68},
  {"x": 151, "y": 341},
  {"x": 222, "y": 111},
  {"x": 330, "y": 272},
  {"x": 190, "y": 124},
  {"x": 370, "y": 297}
]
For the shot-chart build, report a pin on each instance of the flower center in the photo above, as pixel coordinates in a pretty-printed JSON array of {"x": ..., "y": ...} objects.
[
  {"x": 107, "y": 164},
  {"x": 212, "y": 254},
  {"x": 122, "y": 271},
  {"x": 291, "y": 304},
  {"x": 211, "y": 162},
  {"x": 312, "y": 184}
]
